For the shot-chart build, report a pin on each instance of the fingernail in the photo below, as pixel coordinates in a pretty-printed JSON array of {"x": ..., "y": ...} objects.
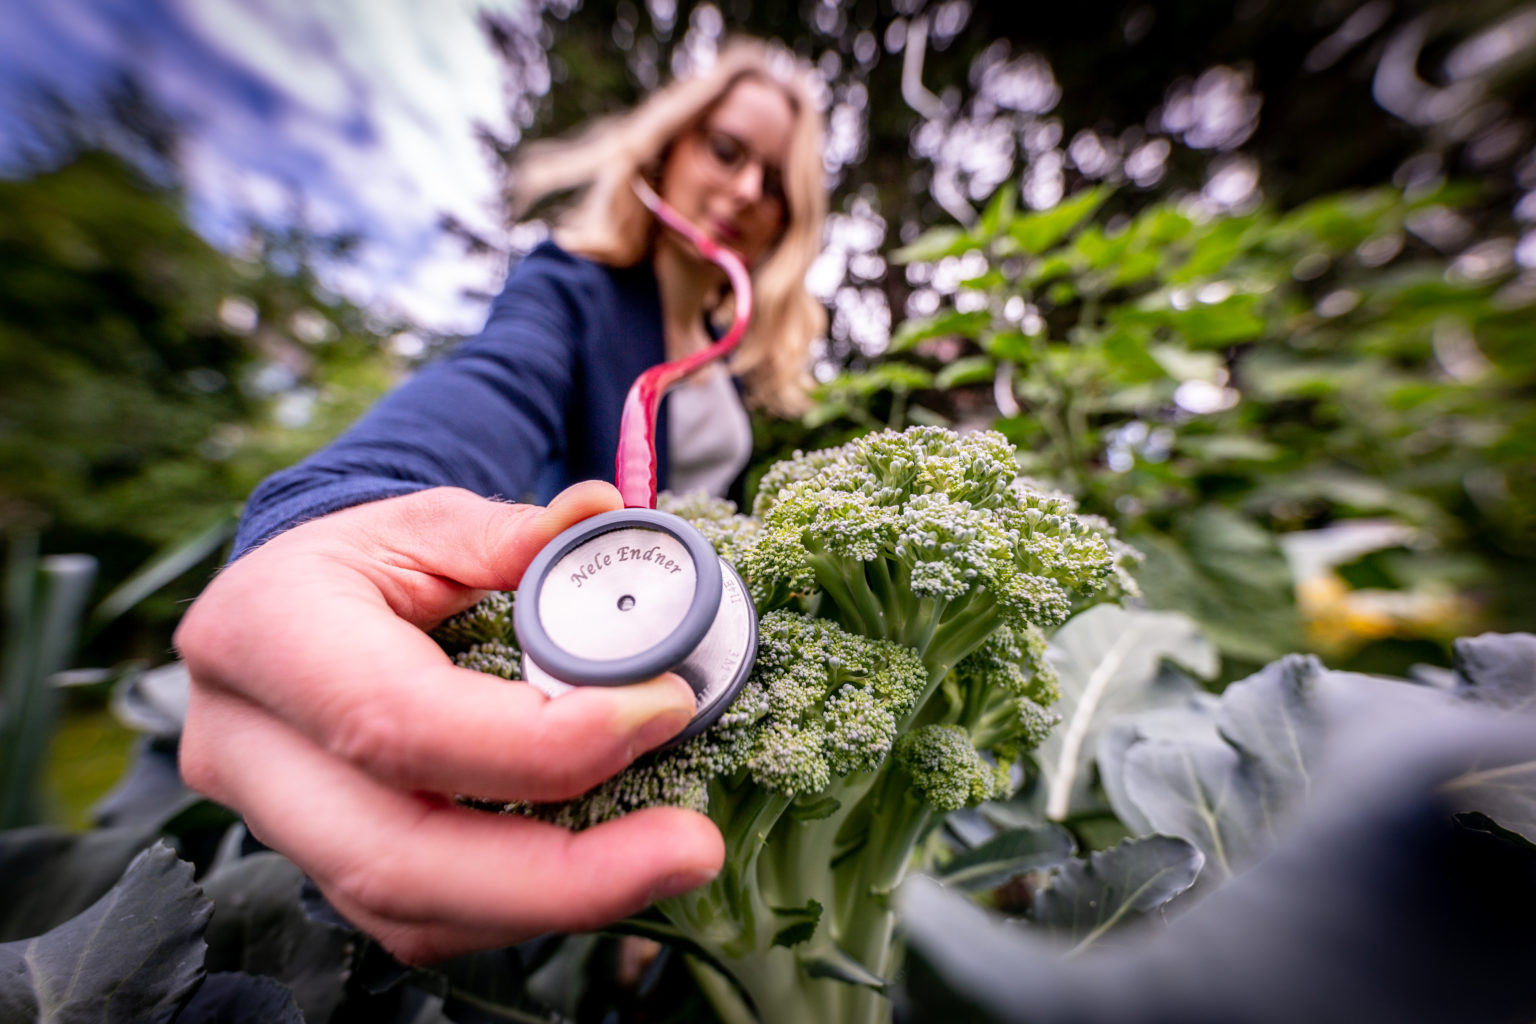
[
  {"x": 660, "y": 729},
  {"x": 656, "y": 711},
  {"x": 683, "y": 881}
]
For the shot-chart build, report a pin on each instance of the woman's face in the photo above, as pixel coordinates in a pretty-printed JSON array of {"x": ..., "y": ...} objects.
[{"x": 727, "y": 175}]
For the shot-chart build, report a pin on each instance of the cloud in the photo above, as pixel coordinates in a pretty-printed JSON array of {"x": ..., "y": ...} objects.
[{"x": 360, "y": 113}]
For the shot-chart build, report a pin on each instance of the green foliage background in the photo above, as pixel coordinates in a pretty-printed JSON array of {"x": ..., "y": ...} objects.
[{"x": 148, "y": 379}]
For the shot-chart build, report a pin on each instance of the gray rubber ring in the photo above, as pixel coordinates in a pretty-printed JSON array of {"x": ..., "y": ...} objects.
[{"x": 670, "y": 650}]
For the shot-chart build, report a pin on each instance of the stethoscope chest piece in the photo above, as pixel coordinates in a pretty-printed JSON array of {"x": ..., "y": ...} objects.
[{"x": 627, "y": 595}]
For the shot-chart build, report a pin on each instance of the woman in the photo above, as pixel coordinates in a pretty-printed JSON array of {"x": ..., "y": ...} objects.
[
  {"x": 321, "y": 710},
  {"x": 532, "y": 405}
]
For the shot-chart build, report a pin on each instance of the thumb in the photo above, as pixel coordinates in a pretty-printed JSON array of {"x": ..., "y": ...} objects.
[{"x": 474, "y": 541}]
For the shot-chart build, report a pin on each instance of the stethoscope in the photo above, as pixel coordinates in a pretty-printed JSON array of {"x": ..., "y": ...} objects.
[{"x": 626, "y": 595}]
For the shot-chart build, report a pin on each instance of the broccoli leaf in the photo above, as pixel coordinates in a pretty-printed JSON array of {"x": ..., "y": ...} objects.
[
  {"x": 1086, "y": 898},
  {"x": 1006, "y": 855},
  {"x": 799, "y": 923},
  {"x": 259, "y": 927},
  {"x": 233, "y": 997},
  {"x": 1499, "y": 669},
  {"x": 134, "y": 956},
  {"x": 1230, "y": 775},
  {"x": 826, "y": 961},
  {"x": 48, "y": 875},
  {"x": 1375, "y": 877},
  {"x": 1107, "y": 659}
]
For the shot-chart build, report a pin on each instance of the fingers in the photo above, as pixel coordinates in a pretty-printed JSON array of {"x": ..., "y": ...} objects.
[
  {"x": 431, "y": 879},
  {"x": 324, "y": 714},
  {"x": 310, "y": 629},
  {"x": 380, "y": 693}
]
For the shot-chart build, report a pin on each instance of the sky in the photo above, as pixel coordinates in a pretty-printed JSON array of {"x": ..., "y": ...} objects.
[{"x": 363, "y": 110}]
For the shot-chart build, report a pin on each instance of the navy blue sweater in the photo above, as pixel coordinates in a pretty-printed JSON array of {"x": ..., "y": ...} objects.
[{"x": 525, "y": 408}]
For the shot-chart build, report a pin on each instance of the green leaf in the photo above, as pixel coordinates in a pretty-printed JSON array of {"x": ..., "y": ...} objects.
[
  {"x": 1108, "y": 659},
  {"x": 1048, "y": 268},
  {"x": 1128, "y": 358},
  {"x": 135, "y": 956},
  {"x": 1229, "y": 575},
  {"x": 1182, "y": 364},
  {"x": 891, "y": 376},
  {"x": 1006, "y": 855},
  {"x": 797, "y": 924},
  {"x": 260, "y": 927},
  {"x": 1134, "y": 267},
  {"x": 935, "y": 244},
  {"x": 167, "y": 565},
  {"x": 1086, "y": 898},
  {"x": 970, "y": 370},
  {"x": 815, "y": 809},
  {"x": 1235, "y": 319},
  {"x": 1219, "y": 448},
  {"x": 1036, "y": 232},
  {"x": 828, "y": 961},
  {"x": 1222, "y": 774},
  {"x": 1012, "y": 346},
  {"x": 999, "y": 211},
  {"x": 48, "y": 875},
  {"x": 948, "y": 323}
]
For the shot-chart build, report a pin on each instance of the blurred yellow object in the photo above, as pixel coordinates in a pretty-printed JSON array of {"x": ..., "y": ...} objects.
[{"x": 1339, "y": 620}]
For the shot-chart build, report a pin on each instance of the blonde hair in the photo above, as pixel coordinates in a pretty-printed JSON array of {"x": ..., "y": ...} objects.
[{"x": 609, "y": 224}]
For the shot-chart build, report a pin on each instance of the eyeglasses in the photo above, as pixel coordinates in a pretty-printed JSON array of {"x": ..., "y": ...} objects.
[{"x": 730, "y": 156}]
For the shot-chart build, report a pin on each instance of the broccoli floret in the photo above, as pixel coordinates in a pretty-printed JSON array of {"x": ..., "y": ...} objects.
[
  {"x": 493, "y": 658},
  {"x": 944, "y": 769},
  {"x": 925, "y": 537},
  {"x": 731, "y": 533},
  {"x": 490, "y": 621},
  {"x": 905, "y": 584},
  {"x": 819, "y": 703}
]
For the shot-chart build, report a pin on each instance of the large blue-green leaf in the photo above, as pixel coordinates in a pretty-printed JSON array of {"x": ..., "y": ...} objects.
[
  {"x": 48, "y": 874},
  {"x": 1377, "y": 906},
  {"x": 44, "y": 602},
  {"x": 164, "y": 567},
  {"x": 1087, "y": 898},
  {"x": 1005, "y": 855},
  {"x": 1222, "y": 774},
  {"x": 1498, "y": 669},
  {"x": 259, "y": 927},
  {"x": 134, "y": 957},
  {"x": 1108, "y": 660},
  {"x": 230, "y": 997}
]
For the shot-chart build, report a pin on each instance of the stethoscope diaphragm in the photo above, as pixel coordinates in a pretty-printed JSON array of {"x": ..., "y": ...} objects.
[{"x": 627, "y": 595}]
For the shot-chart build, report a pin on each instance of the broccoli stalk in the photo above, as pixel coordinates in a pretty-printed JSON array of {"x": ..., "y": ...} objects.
[{"x": 905, "y": 584}]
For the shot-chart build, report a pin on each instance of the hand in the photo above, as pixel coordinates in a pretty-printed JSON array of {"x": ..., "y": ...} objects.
[{"x": 324, "y": 714}]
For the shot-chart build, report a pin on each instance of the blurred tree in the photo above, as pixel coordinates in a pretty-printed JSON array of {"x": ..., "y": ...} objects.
[
  {"x": 1241, "y": 134},
  {"x": 933, "y": 104},
  {"x": 147, "y": 379}
]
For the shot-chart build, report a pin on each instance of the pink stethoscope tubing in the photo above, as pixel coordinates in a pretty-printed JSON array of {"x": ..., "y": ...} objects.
[{"x": 635, "y": 465}]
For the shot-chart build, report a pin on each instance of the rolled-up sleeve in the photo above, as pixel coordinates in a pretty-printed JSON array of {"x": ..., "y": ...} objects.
[{"x": 491, "y": 416}]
